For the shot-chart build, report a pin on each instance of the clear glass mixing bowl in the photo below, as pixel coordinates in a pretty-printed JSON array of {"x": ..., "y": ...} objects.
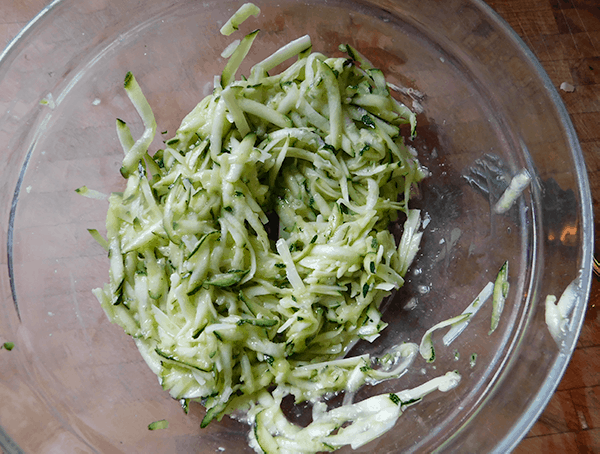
[{"x": 76, "y": 383}]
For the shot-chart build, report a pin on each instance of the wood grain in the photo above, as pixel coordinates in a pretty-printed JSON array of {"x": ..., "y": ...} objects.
[{"x": 565, "y": 37}]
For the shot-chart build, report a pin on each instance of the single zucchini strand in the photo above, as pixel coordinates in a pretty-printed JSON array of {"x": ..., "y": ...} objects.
[
  {"x": 426, "y": 347},
  {"x": 234, "y": 62},
  {"x": 515, "y": 188},
  {"x": 99, "y": 239},
  {"x": 290, "y": 50},
  {"x": 124, "y": 135},
  {"x": 91, "y": 193},
  {"x": 335, "y": 106},
  {"x": 557, "y": 313},
  {"x": 243, "y": 13},
  {"x": 472, "y": 309},
  {"x": 500, "y": 293},
  {"x": 236, "y": 112},
  {"x": 290, "y": 267},
  {"x": 140, "y": 147}
]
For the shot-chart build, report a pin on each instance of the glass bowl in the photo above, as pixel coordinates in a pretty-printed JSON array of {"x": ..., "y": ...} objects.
[{"x": 76, "y": 383}]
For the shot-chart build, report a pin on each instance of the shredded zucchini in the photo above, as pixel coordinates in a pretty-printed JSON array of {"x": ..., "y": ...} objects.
[{"x": 253, "y": 251}]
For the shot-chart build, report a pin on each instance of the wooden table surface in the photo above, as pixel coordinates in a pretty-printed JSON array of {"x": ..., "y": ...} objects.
[{"x": 565, "y": 37}]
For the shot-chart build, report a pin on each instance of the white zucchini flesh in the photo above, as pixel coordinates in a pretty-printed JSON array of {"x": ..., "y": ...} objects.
[
  {"x": 557, "y": 313},
  {"x": 515, "y": 188},
  {"x": 354, "y": 425}
]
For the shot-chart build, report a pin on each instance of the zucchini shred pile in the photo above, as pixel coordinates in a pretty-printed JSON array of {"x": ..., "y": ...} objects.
[{"x": 251, "y": 253}]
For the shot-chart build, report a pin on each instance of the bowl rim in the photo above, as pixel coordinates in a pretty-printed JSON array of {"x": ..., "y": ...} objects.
[{"x": 546, "y": 390}]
